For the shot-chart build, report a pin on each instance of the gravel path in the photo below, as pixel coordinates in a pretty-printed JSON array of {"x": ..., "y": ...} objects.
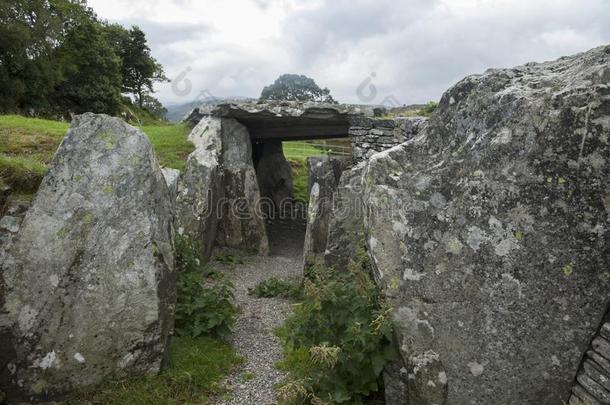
[{"x": 253, "y": 336}]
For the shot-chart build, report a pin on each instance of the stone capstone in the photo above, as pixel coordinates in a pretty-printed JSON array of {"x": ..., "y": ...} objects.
[
  {"x": 88, "y": 282},
  {"x": 488, "y": 233}
]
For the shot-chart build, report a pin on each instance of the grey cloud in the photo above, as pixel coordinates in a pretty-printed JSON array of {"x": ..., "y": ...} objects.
[
  {"x": 159, "y": 34},
  {"x": 418, "y": 49}
]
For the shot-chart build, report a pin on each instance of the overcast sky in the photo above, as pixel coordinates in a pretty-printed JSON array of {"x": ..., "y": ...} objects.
[{"x": 409, "y": 50}]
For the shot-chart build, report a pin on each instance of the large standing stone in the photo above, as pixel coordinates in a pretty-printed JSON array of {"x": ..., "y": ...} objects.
[
  {"x": 89, "y": 280},
  {"x": 324, "y": 173},
  {"x": 274, "y": 175},
  {"x": 200, "y": 190},
  {"x": 242, "y": 223},
  {"x": 172, "y": 177},
  {"x": 346, "y": 229},
  {"x": 489, "y": 233}
]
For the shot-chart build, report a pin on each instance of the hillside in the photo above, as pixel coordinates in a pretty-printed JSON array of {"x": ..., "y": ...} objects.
[{"x": 27, "y": 145}]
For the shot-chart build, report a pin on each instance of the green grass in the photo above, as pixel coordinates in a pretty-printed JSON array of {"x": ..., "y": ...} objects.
[
  {"x": 22, "y": 174},
  {"x": 197, "y": 368},
  {"x": 27, "y": 145},
  {"x": 300, "y": 150},
  {"x": 299, "y": 179},
  {"x": 170, "y": 143}
]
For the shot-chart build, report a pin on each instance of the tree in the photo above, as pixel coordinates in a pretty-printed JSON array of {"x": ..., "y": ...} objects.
[
  {"x": 91, "y": 71},
  {"x": 28, "y": 32},
  {"x": 139, "y": 69},
  {"x": 154, "y": 106},
  {"x": 296, "y": 88}
]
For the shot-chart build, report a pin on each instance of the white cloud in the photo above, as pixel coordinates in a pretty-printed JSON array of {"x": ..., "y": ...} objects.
[{"x": 417, "y": 49}]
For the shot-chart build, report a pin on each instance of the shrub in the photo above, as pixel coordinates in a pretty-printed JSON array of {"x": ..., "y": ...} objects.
[
  {"x": 429, "y": 108},
  {"x": 276, "y": 287},
  {"x": 204, "y": 305},
  {"x": 338, "y": 340},
  {"x": 187, "y": 259}
]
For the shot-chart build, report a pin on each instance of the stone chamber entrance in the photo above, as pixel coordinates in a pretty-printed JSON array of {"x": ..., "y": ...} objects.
[{"x": 283, "y": 139}]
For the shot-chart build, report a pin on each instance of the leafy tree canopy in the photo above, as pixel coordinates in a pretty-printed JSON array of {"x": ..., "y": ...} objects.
[
  {"x": 292, "y": 87},
  {"x": 58, "y": 58}
]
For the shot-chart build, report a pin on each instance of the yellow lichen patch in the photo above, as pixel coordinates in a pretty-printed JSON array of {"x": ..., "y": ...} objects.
[
  {"x": 88, "y": 218},
  {"x": 63, "y": 232},
  {"x": 568, "y": 269}
]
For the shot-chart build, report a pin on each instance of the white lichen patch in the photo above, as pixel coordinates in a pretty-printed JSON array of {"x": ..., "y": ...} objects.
[
  {"x": 476, "y": 369},
  {"x": 79, "y": 357},
  {"x": 27, "y": 318},
  {"x": 442, "y": 378},
  {"x": 454, "y": 246},
  {"x": 399, "y": 228},
  {"x": 504, "y": 137},
  {"x": 54, "y": 280},
  {"x": 412, "y": 275},
  {"x": 438, "y": 200},
  {"x": 476, "y": 237},
  {"x": 555, "y": 361},
  {"x": 47, "y": 361}
]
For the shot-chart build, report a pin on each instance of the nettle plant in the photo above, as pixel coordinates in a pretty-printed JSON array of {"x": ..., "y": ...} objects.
[
  {"x": 204, "y": 304},
  {"x": 277, "y": 287},
  {"x": 338, "y": 340}
]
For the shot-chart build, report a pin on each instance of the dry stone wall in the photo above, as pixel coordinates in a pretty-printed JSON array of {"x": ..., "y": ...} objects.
[{"x": 371, "y": 135}]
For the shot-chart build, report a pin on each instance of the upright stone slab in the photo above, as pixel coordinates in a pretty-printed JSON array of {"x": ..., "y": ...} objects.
[
  {"x": 323, "y": 173},
  {"x": 242, "y": 223},
  {"x": 200, "y": 190},
  {"x": 489, "y": 233},
  {"x": 274, "y": 176},
  {"x": 346, "y": 221},
  {"x": 89, "y": 282},
  {"x": 172, "y": 177}
]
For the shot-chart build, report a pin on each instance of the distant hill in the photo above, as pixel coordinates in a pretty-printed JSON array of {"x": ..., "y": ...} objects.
[{"x": 178, "y": 111}]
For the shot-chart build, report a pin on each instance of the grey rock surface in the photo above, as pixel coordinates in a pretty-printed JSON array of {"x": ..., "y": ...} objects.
[
  {"x": 89, "y": 283},
  {"x": 371, "y": 135},
  {"x": 200, "y": 188},
  {"x": 324, "y": 173},
  {"x": 274, "y": 175},
  {"x": 242, "y": 223},
  {"x": 489, "y": 233},
  {"x": 346, "y": 221},
  {"x": 277, "y": 120},
  {"x": 171, "y": 176}
]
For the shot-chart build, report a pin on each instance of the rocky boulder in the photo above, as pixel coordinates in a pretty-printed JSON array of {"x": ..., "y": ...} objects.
[
  {"x": 345, "y": 223},
  {"x": 89, "y": 283},
  {"x": 274, "y": 175},
  {"x": 489, "y": 233},
  {"x": 242, "y": 223},
  {"x": 171, "y": 176},
  {"x": 200, "y": 188},
  {"x": 324, "y": 172}
]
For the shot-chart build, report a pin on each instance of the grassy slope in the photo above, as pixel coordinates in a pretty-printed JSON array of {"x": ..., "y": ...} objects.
[{"x": 28, "y": 144}]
